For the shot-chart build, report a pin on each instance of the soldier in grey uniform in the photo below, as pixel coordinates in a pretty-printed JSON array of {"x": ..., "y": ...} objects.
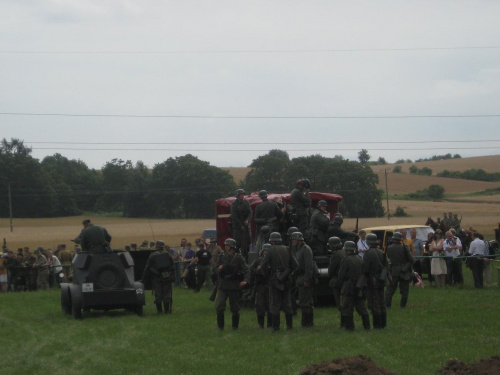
[
  {"x": 301, "y": 202},
  {"x": 94, "y": 238},
  {"x": 353, "y": 285},
  {"x": 319, "y": 228},
  {"x": 241, "y": 216},
  {"x": 42, "y": 281},
  {"x": 293, "y": 252},
  {"x": 160, "y": 267},
  {"x": 233, "y": 274},
  {"x": 279, "y": 264},
  {"x": 376, "y": 269},
  {"x": 304, "y": 279},
  {"x": 338, "y": 254},
  {"x": 401, "y": 261},
  {"x": 266, "y": 213},
  {"x": 335, "y": 230},
  {"x": 261, "y": 289}
]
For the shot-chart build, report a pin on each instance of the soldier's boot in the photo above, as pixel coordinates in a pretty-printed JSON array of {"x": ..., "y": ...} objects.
[
  {"x": 220, "y": 321},
  {"x": 276, "y": 323},
  {"x": 342, "y": 321},
  {"x": 383, "y": 320},
  {"x": 366, "y": 321},
  {"x": 235, "y": 321},
  {"x": 167, "y": 307},
  {"x": 377, "y": 324},
  {"x": 269, "y": 320},
  {"x": 304, "y": 319},
  {"x": 260, "y": 320},
  {"x": 349, "y": 323},
  {"x": 289, "y": 321},
  {"x": 158, "y": 308},
  {"x": 311, "y": 318},
  {"x": 404, "y": 300},
  {"x": 388, "y": 301}
]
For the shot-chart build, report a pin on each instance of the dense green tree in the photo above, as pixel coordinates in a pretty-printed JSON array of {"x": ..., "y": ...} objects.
[
  {"x": 268, "y": 172},
  {"x": 116, "y": 175},
  {"x": 135, "y": 201},
  {"x": 188, "y": 187},
  {"x": 73, "y": 182},
  {"x": 31, "y": 190},
  {"x": 435, "y": 191},
  {"x": 363, "y": 156},
  {"x": 397, "y": 169}
]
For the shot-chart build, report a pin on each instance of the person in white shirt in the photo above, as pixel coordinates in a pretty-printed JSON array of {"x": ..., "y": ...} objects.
[
  {"x": 362, "y": 245},
  {"x": 476, "y": 250},
  {"x": 452, "y": 248}
]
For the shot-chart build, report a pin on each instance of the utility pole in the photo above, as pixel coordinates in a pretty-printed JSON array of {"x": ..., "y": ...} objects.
[
  {"x": 10, "y": 208},
  {"x": 387, "y": 196}
]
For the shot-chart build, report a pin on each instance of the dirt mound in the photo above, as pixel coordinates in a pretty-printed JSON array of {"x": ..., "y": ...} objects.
[
  {"x": 482, "y": 367},
  {"x": 359, "y": 365}
]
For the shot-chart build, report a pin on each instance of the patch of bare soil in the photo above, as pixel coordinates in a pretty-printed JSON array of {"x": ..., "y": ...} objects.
[
  {"x": 358, "y": 365},
  {"x": 482, "y": 367}
]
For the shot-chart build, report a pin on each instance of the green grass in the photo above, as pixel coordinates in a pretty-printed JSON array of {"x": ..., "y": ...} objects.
[{"x": 37, "y": 338}]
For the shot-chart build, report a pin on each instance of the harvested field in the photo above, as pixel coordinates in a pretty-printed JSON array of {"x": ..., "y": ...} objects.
[
  {"x": 404, "y": 183},
  {"x": 238, "y": 174},
  {"x": 490, "y": 164},
  {"x": 50, "y": 232}
]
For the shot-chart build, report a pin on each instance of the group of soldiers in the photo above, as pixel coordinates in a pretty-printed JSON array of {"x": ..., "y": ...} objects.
[{"x": 37, "y": 270}]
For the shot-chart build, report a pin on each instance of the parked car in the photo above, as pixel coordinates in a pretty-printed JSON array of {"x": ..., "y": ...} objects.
[{"x": 385, "y": 233}]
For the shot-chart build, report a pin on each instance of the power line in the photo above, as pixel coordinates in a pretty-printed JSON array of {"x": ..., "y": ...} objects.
[
  {"x": 247, "y": 117},
  {"x": 263, "y": 143},
  {"x": 207, "y": 52},
  {"x": 261, "y": 150}
]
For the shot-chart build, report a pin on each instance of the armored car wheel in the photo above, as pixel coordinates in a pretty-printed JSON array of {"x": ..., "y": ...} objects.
[{"x": 65, "y": 299}]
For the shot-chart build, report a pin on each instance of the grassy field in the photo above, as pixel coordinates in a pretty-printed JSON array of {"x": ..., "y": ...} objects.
[{"x": 437, "y": 325}]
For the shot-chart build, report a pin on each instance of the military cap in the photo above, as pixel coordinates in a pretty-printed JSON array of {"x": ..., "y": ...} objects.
[
  {"x": 213, "y": 239},
  {"x": 322, "y": 203},
  {"x": 397, "y": 237},
  {"x": 86, "y": 221},
  {"x": 297, "y": 236}
]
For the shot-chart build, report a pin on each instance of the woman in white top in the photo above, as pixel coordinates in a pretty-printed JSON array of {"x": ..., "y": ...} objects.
[{"x": 438, "y": 265}]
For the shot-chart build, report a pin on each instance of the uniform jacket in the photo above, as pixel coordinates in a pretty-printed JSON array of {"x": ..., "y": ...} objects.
[
  {"x": 304, "y": 270},
  {"x": 300, "y": 201},
  {"x": 93, "y": 239},
  {"x": 234, "y": 270},
  {"x": 240, "y": 211},
  {"x": 350, "y": 271},
  {"x": 158, "y": 262},
  {"x": 320, "y": 222}
]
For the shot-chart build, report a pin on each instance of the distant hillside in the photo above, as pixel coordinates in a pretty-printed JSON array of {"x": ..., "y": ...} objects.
[
  {"x": 403, "y": 183},
  {"x": 490, "y": 164}
]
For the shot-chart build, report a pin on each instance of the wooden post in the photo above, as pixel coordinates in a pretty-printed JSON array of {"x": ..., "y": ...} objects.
[{"x": 387, "y": 196}]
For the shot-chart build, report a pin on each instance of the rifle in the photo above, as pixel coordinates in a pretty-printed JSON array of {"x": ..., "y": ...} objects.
[{"x": 214, "y": 292}]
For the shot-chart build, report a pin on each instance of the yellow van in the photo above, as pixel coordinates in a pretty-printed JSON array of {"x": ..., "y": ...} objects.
[{"x": 385, "y": 233}]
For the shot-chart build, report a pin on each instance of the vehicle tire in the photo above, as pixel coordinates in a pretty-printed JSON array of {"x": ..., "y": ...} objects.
[
  {"x": 65, "y": 299},
  {"x": 109, "y": 276},
  {"x": 139, "y": 310},
  {"x": 76, "y": 305}
]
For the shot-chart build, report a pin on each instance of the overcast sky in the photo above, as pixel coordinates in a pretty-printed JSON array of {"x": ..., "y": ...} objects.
[{"x": 207, "y": 69}]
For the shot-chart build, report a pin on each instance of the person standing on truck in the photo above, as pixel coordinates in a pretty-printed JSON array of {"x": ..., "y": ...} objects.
[
  {"x": 241, "y": 216},
  {"x": 301, "y": 202},
  {"x": 267, "y": 213},
  {"x": 94, "y": 238},
  {"x": 319, "y": 228},
  {"x": 160, "y": 267}
]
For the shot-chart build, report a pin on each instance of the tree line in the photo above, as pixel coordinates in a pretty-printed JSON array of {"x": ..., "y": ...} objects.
[{"x": 180, "y": 187}]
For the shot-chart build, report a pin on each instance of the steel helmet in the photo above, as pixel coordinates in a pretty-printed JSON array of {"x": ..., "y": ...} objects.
[
  {"x": 338, "y": 220},
  {"x": 264, "y": 229},
  {"x": 291, "y": 230},
  {"x": 297, "y": 236},
  {"x": 230, "y": 242},
  {"x": 322, "y": 203},
  {"x": 334, "y": 243},
  {"x": 372, "y": 239},
  {"x": 275, "y": 237},
  {"x": 160, "y": 245},
  {"x": 397, "y": 237},
  {"x": 238, "y": 192},
  {"x": 306, "y": 183},
  {"x": 262, "y": 194},
  {"x": 350, "y": 246}
]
